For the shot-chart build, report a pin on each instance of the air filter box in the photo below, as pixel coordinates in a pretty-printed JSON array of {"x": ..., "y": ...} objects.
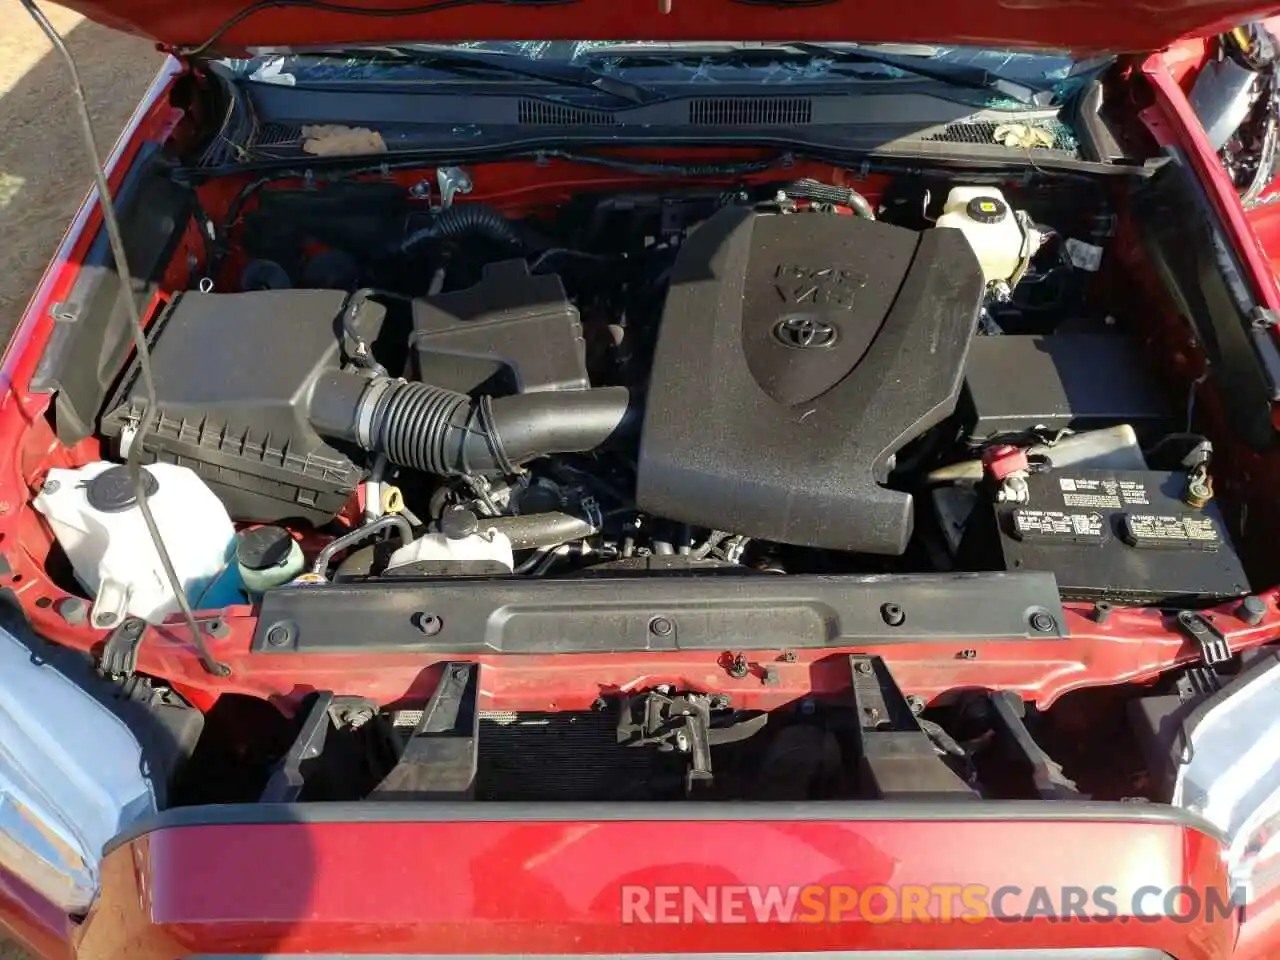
[
  {"x": 233, "y": 375},
  {"x": 513, "y": 332}
]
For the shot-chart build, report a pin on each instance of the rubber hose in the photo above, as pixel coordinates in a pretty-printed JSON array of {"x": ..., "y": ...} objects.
[
  {"x": 534, "y": 531},
  {"x": 827, "y": 193},
  {"x": 468, "y": 219},
  {"x": 449, "y": 434}
]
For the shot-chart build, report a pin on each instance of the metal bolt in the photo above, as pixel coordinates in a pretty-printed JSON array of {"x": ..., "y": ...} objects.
[
  {"x": 864, "y": 667},
  {"x": 682, "y": 742},
  {"x": 428, "y": 623},
  {"x": 739, "y": 667},
  {"x": 661, "y": 627},
  {"x": 916, "y": 703},
  {"x": 873, "y": 713},
  {"x": 788, "y": 656},
  {"x": 893, "y": 615},
  {"x": 967, "y": 655},
  {"x": 51, "y": 486},
  {"x": 1041, "y": 622},
  {"x": 1102, "y": 611},
  {"x": 356, "y": 717},
  {"x": 599, "y": 704},
  {"x": 720, "y": 701},
  {"x": 459, "y": 673},
  {"x": 217, "y": 628}
]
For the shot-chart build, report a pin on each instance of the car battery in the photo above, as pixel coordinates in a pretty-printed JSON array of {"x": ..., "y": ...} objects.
[{"x": 1123, "y": 535}]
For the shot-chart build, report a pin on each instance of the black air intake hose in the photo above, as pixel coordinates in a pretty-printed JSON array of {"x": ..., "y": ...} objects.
[
  {"x": 826, "y": 193},
  {"x": 446, "y": 433},
  {"x": 475, "y": 220}
]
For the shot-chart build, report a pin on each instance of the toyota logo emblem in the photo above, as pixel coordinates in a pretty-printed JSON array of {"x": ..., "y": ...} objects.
[{"x": 804, "y": 333}]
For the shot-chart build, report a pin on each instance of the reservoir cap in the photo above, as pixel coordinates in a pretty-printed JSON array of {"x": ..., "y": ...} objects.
[
  {"x": 986, "y": 210},
  {"x": 112, "y": 490},
  {"x": 263, "y": 548}
]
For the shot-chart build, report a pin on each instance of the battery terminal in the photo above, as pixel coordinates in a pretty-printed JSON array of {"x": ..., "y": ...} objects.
[{"x": 1199, "y": 489}]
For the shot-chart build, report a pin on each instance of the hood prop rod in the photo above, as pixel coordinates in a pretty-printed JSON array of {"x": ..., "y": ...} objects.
[{"x": 112, "y": 225}]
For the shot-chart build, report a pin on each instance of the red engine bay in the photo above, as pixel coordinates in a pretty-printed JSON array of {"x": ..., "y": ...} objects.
[
  {"x": 1080, "y": 676},
  {"x": 925, "y": 507}
]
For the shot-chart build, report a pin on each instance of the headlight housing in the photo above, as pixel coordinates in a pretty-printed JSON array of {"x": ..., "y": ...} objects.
[
  {"x": 1229, "y": 774},
  {"x": 72, "y": 776}
]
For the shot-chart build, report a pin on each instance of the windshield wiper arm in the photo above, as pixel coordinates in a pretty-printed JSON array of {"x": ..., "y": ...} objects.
[
  {"x": 957, "y": 74},
  {"x": 469, "y": 61}
]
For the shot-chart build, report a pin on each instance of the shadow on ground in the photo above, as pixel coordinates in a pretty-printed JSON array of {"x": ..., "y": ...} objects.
[{"x": 44, "y": 171}]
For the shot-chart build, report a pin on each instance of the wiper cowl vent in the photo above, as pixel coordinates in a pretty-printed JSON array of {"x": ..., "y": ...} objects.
[
  {"x": 544, "y": 113},
  {"x": 983, "y": 133},
  {"x": 750, "y": 111}
]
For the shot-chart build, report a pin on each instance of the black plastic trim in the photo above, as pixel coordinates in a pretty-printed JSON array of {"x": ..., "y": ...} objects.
[
  {"x": 91, "y": 337},
  {"x": 884, "y": 105},
  {"x": 613, "y": 615},
  {"x": 858, "y": 811},
  {"x": 795, "y": 445},
  {"x": 1266, "y": 660},
  {"x": 879, "y": 153},
  {"x": 1184, "y": 241},
  {"x": 1084, "y": 115}
]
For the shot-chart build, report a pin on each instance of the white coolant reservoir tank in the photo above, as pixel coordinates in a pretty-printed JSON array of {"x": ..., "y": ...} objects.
[
  {"x": 1003, "y": 241},
  {"x": 463, "y": 546},
  {"x": 95, "y": 516}
]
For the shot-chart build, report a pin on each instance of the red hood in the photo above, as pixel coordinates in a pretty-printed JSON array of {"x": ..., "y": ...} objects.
[{"x": 1084, "y": 26}]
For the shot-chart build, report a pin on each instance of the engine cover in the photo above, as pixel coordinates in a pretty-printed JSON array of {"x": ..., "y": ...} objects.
[{"x": 796, "y": 354}]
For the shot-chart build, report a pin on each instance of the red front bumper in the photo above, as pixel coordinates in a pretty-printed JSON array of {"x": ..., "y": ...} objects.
[{"x": 503, "y": 880}]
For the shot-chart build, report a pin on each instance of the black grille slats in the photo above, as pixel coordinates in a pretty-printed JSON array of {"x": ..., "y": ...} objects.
[
  {"x": 750, "y": 111},
  {"x": 547, "y": 114},
  {"x": 983, "y": 133}
]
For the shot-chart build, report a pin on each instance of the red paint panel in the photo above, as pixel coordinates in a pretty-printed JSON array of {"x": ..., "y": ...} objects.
[
  {"x": 33, "y": 921},
  {"x": 1083, "y": 25},
  {"x": 556, "y": 887}
]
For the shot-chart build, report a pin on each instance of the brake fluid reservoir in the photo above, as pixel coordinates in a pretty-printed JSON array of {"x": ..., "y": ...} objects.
[
  {"x": 999, "y": 240},
  {"x": 267, "y": 557},
  {"x": 95, "y": 517}
]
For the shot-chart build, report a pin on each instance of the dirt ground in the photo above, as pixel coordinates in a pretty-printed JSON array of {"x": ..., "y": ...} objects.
[
  {"x": 43, "y": 169},
  {"x": 44, "y": 172}
]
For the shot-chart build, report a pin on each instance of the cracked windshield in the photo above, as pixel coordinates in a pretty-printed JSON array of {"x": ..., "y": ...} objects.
[{"x": 1009, "y": 79}]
